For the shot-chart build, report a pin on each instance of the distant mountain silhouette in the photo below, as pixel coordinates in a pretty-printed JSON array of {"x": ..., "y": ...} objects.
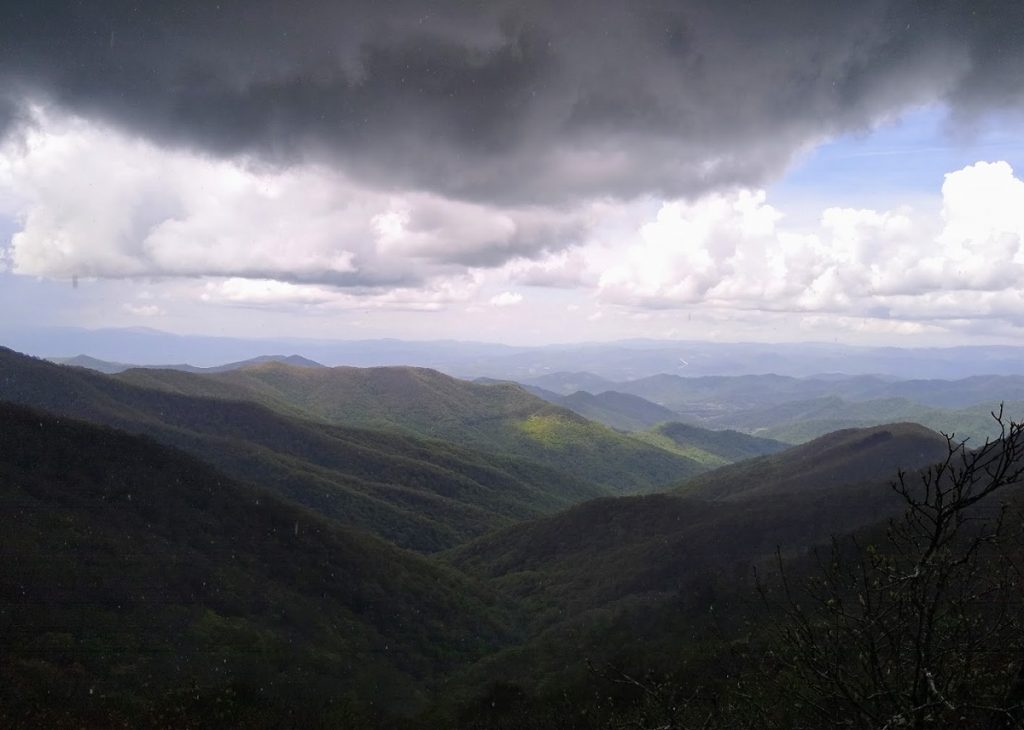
[{"x": 111, "y": 368}]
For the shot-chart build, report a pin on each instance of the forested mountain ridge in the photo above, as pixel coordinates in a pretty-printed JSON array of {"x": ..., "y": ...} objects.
[
  {"x": 499, "y": 418},
  {"x": 653, "y": 424},
  {"x": 417, "y": 493}
]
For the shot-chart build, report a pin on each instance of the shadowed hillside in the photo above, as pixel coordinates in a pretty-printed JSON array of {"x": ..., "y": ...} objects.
[
  {"x": 604, "y": 550},
  {"x": 140, "y": 586},
  {"x": 651, "y": 603},
  {"x": 599, "y": 553},
  {"x": 843, "y": 457}
]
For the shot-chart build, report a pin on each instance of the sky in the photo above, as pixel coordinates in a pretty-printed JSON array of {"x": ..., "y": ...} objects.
[{"x": 520, "y": 172}]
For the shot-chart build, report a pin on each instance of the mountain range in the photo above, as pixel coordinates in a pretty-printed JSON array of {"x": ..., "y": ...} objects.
[{"x": 275, "y": 543}]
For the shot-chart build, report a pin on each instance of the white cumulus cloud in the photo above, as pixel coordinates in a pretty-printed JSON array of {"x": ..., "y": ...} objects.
[
  {"x": 734, "y": 251},
  {"x": 143, "y": 310},
  {"x": 506, "y": 299},
  {"x": 94, "y": 202}
]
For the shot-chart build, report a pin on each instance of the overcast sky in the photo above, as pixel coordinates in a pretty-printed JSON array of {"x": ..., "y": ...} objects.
[{"x": 524, "y": 172}]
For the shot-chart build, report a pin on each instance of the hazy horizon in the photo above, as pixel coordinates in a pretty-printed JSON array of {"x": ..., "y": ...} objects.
[{"x": 614, "y": 360}]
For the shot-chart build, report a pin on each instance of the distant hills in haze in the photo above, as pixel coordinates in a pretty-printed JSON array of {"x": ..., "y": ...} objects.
[
  {"x": 707, "y": 396},
  {"x": 782, "y": 408},
  {"x": 794, "y": 410},
  {"x": 112, "y": 368},
  {"x": 615, "y": 361}
]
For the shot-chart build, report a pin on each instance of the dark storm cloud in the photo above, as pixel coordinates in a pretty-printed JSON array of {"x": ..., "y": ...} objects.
[
  {"x": 505, "y": 101},
  {"x": 11, "y": 115}
]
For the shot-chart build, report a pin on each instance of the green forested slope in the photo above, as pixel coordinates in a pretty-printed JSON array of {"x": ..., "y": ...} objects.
[
  {"x": 498, "y": 418},
  {"x": 421, "y": 494}
]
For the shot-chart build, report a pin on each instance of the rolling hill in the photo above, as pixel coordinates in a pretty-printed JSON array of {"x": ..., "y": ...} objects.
[{"x": 91, "y": 363}]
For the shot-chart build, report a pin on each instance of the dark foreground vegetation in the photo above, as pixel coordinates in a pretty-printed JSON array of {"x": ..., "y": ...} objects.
[{"x": 211, "y": 550}]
